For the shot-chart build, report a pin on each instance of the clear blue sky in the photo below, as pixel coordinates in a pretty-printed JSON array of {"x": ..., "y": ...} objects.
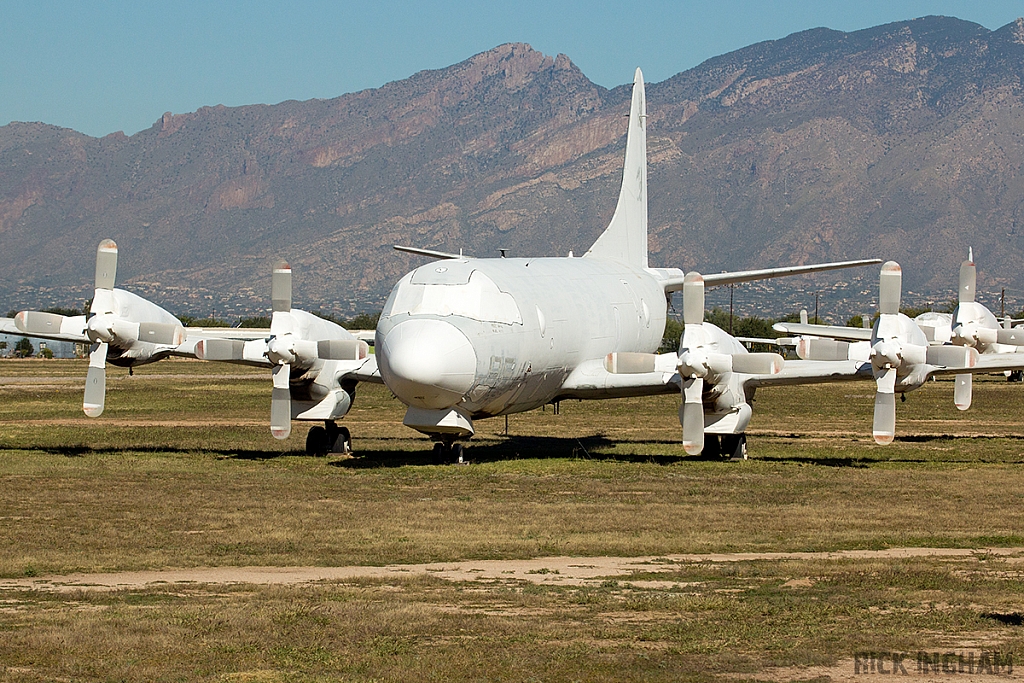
[{"x": 102, "y": 66}]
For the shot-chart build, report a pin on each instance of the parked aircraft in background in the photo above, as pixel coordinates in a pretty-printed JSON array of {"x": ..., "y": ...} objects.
[
  {"x": 904, "y": 353},
  {"x": 463, "y": 338}
]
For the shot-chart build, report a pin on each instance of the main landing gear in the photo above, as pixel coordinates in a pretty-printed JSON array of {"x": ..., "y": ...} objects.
[
  {"x": 728, "y": 446},
  {"x": 447, "y": 452},
  {"x": 328, "y": 439}
]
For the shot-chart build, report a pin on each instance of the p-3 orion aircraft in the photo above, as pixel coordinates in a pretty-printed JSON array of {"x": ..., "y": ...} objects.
[{"x": 463, "y": 338}]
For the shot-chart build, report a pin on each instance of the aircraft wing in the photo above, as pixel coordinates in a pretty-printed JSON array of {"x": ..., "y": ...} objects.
[
  {"x": 829, "y": 331},
  {"x": 7, "y": 326},
  {"x": 367, "y": 372},
  {"x": 990, "y": 362},
  {"x": 813, "y": 372},
  {"x": 591, "y": 379},
  {"x": 244, "y": 333}
]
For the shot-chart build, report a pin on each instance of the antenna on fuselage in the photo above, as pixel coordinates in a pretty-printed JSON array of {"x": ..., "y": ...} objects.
[{"x": 503, "y": 252}]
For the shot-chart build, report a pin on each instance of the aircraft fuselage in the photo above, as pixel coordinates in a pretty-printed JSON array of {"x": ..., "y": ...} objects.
[{"x": 499, "y": 336}]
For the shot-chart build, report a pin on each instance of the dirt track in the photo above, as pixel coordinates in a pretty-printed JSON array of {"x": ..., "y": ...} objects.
[{"x": 545, "y": 570}]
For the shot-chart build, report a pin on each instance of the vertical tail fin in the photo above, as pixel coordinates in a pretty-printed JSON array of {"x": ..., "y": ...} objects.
[{"x": 625, "y": 238}]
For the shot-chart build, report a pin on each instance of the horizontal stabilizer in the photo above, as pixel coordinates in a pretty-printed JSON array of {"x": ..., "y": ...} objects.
[
  {"x": 427, "y": 252},
  {"x": 676, "y": 284}
]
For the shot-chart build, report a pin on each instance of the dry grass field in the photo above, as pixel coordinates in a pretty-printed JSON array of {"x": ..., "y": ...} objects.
[{"x": 783, "y": 567}]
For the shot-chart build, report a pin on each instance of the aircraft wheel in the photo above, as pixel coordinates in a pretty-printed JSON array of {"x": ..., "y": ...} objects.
[
  {"x": 734, "y": 446},
  {"x": 316, "y": 442},
  {"x": 447, "y": 453},
  {"x": 343, "y": 441},
  {"x": 712, "y": 446}
]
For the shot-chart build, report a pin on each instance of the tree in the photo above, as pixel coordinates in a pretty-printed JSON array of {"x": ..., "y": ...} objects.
[
  {"x": 190, "y": 321},
  {"x": 65, "y": 311},
  {"x": 24, "y": 348},
  {"x": 363, "y": 321},
  {"x": 255, "y": 322}
]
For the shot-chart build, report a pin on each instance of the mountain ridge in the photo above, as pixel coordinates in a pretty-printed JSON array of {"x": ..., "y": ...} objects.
[{"x": 821, "y": 145}]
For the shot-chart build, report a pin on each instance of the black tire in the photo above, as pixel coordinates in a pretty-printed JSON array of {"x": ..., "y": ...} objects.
[
  {"x": 316, "y": 442},
  {"x": 712, "y": 446},
  {"x": 343, "y": 441},
  {"x": 457, "y": 453},
  {"x": 734, "y": 446}
]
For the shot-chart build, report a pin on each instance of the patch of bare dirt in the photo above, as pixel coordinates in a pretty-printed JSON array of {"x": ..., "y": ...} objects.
[{"x": 560, "y": 571}]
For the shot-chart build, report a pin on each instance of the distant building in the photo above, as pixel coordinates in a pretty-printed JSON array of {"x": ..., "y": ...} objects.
[{"x": 60, "y": 349}]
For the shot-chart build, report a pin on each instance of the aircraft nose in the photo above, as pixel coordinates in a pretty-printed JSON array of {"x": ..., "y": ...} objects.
[{"x": 427, "y": 363}]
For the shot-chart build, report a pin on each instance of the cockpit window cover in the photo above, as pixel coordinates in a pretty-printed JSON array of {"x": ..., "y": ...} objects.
[{"x": 478, "y": 298}]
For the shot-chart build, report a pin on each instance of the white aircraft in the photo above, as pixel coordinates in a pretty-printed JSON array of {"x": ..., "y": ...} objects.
[
  {"x": 307, "y": 353},
  {"x": 902, "y": 354},
  {"x": 462, "y": 338}
]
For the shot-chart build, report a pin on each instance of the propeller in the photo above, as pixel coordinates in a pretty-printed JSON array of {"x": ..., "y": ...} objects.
[
  {"x": 281, "y": 350},
  {"x": 887, "y": 352},
  {"x": 700, "y": 360},
  {"x": 967, "y": 332},
  {"x": 975, "y": 327},
  {"x": 693, "y": 364},
  {"x": 100, "y": 328},
  {"x": 285, "y": 348}
]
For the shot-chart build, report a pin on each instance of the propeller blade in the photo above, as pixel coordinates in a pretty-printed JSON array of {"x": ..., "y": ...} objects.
[
  {"x": 693, "y": 299},
  {"x": 106, "y": 264},
  {"x": 691, "y": 416},
  {"x": 220, "y": 349},
  {"x": 757, "y": 363},
  {"x": 822, "y": 349},
  {"x": 346, "y": 349},
  {"x": 1013, "y": 336},
  {"x": 962, "y": 392},
  {"x": 884, "y": 427},
  {"x": 968, "y": 281},
  {"x": 890, "y": 282},
  {"x": 161, "y": 333},
  {"x": 951, "y": 356},
  {"x": 96, "y": 381},
  {"x": 37, "y": 322},
  {"x": 281, "y": 403},
  {"x": 281, "y": 287}
]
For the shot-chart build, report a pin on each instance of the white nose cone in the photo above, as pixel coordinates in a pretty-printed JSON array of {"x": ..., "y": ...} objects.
[{"x": 427, "y": 363}]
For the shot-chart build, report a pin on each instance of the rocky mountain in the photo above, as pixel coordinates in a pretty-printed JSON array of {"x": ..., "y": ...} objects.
[{"x": 903, "y": 141}]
